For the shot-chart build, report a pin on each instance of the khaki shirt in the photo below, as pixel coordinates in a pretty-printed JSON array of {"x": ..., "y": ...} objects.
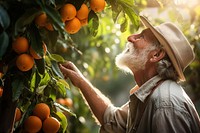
[{"x": 164, "y": 108}]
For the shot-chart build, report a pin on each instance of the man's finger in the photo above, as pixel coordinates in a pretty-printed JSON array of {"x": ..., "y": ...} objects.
[{"x": 68, "y": 64}]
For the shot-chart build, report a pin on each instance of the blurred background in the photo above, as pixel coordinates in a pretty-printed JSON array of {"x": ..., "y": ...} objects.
[{"x": 97, "y": 61}]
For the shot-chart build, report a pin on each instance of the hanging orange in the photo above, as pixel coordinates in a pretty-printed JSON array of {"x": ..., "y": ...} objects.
[
  {"x": 24, "y": 62},
  {"x": 20, "y": 45},
  {"x": 68, "y": 12},
  {"x": 73, "y": 26},
  {"x": 97, "y": 5},
  {"x": 82, "y": 13}
]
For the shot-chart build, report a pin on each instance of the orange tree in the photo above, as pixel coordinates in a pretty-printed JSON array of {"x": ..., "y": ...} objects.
[
  {"x": 30, "y": 75},
  {"x": 49, "y": 34}
]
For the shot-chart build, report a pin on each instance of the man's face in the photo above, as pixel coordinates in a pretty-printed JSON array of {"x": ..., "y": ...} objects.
[{"x": 135, "y": 55}]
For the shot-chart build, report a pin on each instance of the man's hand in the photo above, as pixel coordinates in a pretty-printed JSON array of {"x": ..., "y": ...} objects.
[
  {"x": 70, "y": 71},
  {"x": 93, "y": 96}
]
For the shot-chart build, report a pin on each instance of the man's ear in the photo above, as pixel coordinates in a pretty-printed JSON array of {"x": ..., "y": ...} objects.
[{"x": 157, "y": 55}]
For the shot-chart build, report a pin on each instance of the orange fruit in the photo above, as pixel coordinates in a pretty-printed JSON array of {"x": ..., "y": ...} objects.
[
  {"x": 20, "y": 45},
  {"x": 73, "y": 26},
  {"x": 41, "y": 20},
  {"x": 32, "y": 124},
  {"x": 82, "y": 13},
  {"x": 36, "y": 55},
  {"x": 60, "y": 101},
  {"x": 67, "y": 12},
  {"x": 51, "y": 125},
  {"x": 18, "y": 114},
  {"x": 1, "y": 91},
  {"x": 41, "y": 110},
  {"x": 49, "y": 26},
  {"x": 84, "y": 22},
  {"x": 97, "y": 5},
  {"x": 68, "y": 102},
  {"x": 24, "y": 62},
  {"x": 1, "y": 74}
]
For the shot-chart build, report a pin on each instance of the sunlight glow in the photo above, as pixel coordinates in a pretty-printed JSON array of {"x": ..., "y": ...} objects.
[
  {"x": 117, "y": 40},
  {"x": 85, "y": 65},
  {"x": 107, "y": 50},
  {"x": 186, "y": 3}
]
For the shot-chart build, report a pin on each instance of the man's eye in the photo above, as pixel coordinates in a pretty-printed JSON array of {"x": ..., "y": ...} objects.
[{"x": 141, "y": 37}]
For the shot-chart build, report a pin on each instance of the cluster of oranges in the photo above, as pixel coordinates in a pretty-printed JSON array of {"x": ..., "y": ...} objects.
[
  {"x": 26, "y": 54},
  {"x": 65, "y": 101},
  {"x": 41, "y": 120},
  {"x": 75, "y": 19}
]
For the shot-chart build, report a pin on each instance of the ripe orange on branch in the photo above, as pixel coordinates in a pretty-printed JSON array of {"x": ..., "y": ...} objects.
[
  {"x": 20, "y": 45},
  {"x": 97, "y": 5},
  {"x": 49, "y": 26},
  {"x": 32, "y": 124},
  {"x": 73, "y": 26},
  {"x": 41, "y": 20},
  {"x": 41, "y": 110},
  {"x": 84, "y": 22},
  {"x": 67, "y": 12},
  {"x": 82, "y": 13},
  {"x": 68, "y": 102},
  {"x": 36, "y": 55},
  {"x": 1, "y": 91},
  {"x": 24, "y": 62},
  {"x": 18, "y": 114},
  {"x": 51, "y": 125}
]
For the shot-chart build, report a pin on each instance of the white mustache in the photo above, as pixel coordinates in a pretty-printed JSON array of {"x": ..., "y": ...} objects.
[
  {"x": 129, "y": 44},
  {"x": 129, "y": 47}
]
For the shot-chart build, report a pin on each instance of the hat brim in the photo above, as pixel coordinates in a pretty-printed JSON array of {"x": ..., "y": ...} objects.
[{"x": 166, "y": 46}]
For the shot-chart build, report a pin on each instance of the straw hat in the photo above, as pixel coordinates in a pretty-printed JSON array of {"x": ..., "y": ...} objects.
[{"x": 175, "y": 44}]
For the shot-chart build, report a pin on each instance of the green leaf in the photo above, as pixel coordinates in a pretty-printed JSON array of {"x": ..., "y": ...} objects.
[
  {"x": 50, "y": 92},
  {"x": 3, "y": 43},
  {"x": 17, "y": 88},
  {"x": 35, "y": 39},
  {"x": 26, "y": 19},
  {"x": 63, "y": 121},
  {"x": 45, "y": 79},
  {"x": 50, "y": 38},
  {"x": 40, "y": 63},
  {"x": 62, "y": 88},
  {"x": 93, "y": 23},
  {"x": 56, "y": 69},
  {"x": 63, "y": 82},
  {"x": 4, "y": 18},
  {"x": 129, "y": 8},
  {"x": 124, "y": 24},
  {"x": 54, "y": 16},
  {"x": 57, "y": 58},
  {"x": 35, "y": 80},
  {"x": 116, "y": 9},
  {"x": 64, "y": 109},
  {"x": 40, "y": 89}
]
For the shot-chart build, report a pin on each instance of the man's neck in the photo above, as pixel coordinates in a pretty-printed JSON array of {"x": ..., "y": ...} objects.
[{"x": 143, "y": 75}]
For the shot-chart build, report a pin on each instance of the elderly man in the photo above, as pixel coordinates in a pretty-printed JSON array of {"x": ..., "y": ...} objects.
[{"x": 157, "y": 58}]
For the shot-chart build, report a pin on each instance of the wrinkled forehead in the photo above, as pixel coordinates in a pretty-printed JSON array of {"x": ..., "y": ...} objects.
[{"x": 149, "y": 36}]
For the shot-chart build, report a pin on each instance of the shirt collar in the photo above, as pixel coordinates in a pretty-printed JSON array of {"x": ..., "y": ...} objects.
[{"x": 146, "y": 88}]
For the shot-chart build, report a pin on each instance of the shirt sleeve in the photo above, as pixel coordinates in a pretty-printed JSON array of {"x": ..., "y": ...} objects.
[
  {"x": 115, "y": 119},
  {"x": 171, "y": 120}
]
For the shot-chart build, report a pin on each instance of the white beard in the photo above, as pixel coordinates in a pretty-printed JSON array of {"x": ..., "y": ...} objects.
[{"x": 131, "y": 59}]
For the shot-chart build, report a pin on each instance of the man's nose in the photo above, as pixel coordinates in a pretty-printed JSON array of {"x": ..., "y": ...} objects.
[{"x": 131, "y": 38}]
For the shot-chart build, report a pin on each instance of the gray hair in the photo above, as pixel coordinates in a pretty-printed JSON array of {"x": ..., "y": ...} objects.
[
  {"x": 166, "y": 70},
  {"x": 165, "y": 67}
]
